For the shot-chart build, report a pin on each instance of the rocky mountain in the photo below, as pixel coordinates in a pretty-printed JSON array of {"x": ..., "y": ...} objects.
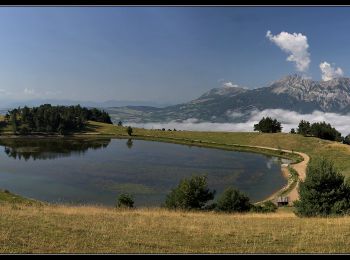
[{"x": 234, "y": 104}]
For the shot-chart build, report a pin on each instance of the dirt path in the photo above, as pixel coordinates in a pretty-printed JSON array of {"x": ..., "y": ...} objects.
[{"x": 293, "y": 195}]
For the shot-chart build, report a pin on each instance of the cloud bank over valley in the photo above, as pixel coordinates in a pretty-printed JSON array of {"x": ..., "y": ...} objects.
[{"x": 289, "y": 120}]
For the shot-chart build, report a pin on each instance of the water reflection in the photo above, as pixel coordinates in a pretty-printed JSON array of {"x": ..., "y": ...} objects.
[
  {"x": 129, "y": 143},
  {"x": 43, "y": 149},
  {"x": 98, "y": 170}
]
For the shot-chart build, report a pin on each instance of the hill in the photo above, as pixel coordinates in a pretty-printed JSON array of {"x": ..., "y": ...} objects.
[{"x": 235, "y": 104}]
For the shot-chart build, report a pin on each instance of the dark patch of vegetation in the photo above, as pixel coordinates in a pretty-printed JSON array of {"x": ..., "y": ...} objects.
[
  {"x": 192, "y": 193},
  {"x": 266, "y": 207},
  {"x": 53, "y": 119},
  {"x": 268, "y": 125},
  {"x": 324, "y": 191},
  {"x": 125, "y": 200},
  {"x": 232, "y": 200},
  {"x": 320, "y": 129},
  {"x": 129, "y": 130},
  {"x": 346, "y": 139}
]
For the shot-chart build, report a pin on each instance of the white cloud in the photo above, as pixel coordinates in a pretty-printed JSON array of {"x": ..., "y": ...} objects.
[
  {"x": 4, "y": 92},
  {"x": 28, "y": 91},
  {"x": 233, "y": 114},
  {"x": 329, "y": 72},
  {"x": 288, "y": 119},
  {"x": 295, "y": 45},
  {"x": 230, "y": 85}
]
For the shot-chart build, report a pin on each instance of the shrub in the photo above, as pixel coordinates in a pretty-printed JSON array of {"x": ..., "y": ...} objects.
[
  {"x": 324, "y": 191},
  {"x": 266, "y": 207},
  {"x": 129, "y": 130},
  {"x": 192, "y": 193},
  {"x": 232, "y": 200},
  {"x": 125, "y": 200}
]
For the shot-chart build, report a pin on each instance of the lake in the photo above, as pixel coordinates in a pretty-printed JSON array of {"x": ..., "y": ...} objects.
[{"x": 96, "y": 171}]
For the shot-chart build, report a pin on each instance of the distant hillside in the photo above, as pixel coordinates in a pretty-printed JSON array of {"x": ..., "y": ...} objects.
[{"x": 234, "y": 104}]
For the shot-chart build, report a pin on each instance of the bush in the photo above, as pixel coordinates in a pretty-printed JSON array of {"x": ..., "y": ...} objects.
[
  {"x": 129, "y": 130},
  {"x": 266, "y": 207},
  {"x": 232, "y": 200},
  {"x": 323, "y": 192},
  {"x": 125, "y": 200},
  {"x": 268, "y": 125},
  {"x": 192, "y": 193}
]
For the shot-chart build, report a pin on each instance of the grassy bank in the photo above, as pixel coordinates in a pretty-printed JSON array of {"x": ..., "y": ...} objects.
[
  {"x": 61, "y": 229},
  {"x": 7, "y": 197}
]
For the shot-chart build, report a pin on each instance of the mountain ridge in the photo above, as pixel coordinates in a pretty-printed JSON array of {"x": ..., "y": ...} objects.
[{"x": 235, "y": 104}]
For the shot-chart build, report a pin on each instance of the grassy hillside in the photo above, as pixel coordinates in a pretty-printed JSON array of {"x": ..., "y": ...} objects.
[
  {"x": 61, "y": 229},
  {"x": 309, "y": 145}
]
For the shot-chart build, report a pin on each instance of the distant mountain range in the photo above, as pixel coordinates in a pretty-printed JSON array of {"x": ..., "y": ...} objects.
[
  {"x": 235, "y": 104},
  {"x": 65, "y": 102}
]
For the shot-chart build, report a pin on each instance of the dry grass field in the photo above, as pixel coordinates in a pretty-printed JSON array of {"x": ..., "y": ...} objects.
[{"x": 68, "y": 229}]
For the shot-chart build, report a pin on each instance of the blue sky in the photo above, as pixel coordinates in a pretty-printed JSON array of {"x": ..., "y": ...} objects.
[{"x": 167, "y": 54}]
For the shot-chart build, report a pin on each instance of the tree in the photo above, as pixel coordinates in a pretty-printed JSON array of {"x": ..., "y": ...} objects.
[
  {"x": 268, "y": 125},
  {"x": 304, "y": 128},
  {"x": 125, "y": 200},
  {"x": 57, "y": 119},
  {"x": 346, "y": 139},
  {"x": 319, "y": 129},
  {"x": 120, "y": 123},
  {"x": 233, "y": 200},
  {"x": 192, "y": 193},
  {"x": 325, "y": 131},
  {"x": 324, "y": 191},
  {"x": 129, "y": 130}
]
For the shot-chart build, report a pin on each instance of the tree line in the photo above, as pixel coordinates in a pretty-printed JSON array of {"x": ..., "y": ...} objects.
[
  {"x": 53, "y": 119},
  {"x": 321, "y": 130}
]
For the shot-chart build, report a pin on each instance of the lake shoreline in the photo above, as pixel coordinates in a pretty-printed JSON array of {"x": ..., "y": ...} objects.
[{"x": 197, "y": 143}]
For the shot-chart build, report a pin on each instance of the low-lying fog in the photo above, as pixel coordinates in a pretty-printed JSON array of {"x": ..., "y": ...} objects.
[{"x": 289, "y": 120}]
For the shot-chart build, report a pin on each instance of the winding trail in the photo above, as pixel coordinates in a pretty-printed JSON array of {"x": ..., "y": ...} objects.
[{"x": 300, "y": 167}]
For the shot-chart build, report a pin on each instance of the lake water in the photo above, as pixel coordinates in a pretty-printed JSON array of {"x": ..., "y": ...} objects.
[{"x": 85, "y": 171}]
